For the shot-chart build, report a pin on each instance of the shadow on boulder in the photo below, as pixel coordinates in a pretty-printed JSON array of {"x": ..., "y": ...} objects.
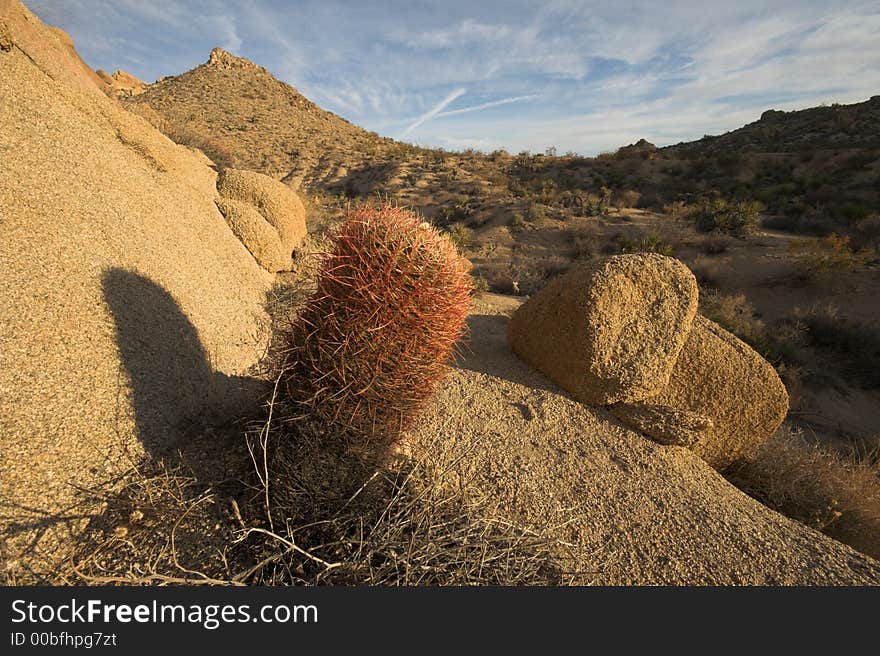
[{"x": 183, "y": 409}]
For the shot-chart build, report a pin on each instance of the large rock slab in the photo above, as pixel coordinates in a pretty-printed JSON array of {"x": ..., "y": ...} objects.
[
  {"x": 625, "y": 509},
  {"x": 131, "y": 313},
  {"x": 609, "y": 332},
  {"x": 723, "y": 399}
]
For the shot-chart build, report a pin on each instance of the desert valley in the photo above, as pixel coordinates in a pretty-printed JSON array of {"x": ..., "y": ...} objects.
[{"x": 245, "y": 341}]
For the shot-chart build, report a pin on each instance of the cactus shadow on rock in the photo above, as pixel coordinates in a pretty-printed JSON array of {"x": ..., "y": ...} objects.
[{"x": 185, "y": 412}]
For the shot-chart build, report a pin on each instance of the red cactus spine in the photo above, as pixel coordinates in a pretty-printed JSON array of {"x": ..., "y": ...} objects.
[{"x": 371, "y": 344}]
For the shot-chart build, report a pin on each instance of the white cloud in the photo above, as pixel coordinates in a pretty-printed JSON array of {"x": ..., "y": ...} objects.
[
  {"x": 434, "y": 111},
  {"x": 467, "y": 31},
  {"x": 487, "y": 105},
  {"x": 606, "y": 73}
]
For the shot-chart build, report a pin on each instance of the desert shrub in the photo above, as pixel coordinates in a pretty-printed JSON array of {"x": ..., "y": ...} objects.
[
  {"x": 372, "y": 342},
  {"x": 734, "y": 313},
  {"x": 525, "y": 275},
  {"x": 480, "y": 284},
  {"x": 460, "y": 235},
  {"x": 584, "y": 239},
  {"x": 808, "y": 222},
  {"x": 643, "y": 243},
  {"x": 832, "y": 254},
  {"x": 605, "y": 195},
  {"x": 548, "y": 192},
  {"x": 457, "y": 212},
  {"x": 517, "y": 221},
  {"x": 627, "y": 198},
  {"x": 706, "y": 271},
  {"x": 855, "y": 343},
  {"x": 678, "y": 209},
  {"x": 535, "y": 214},
  {"x": 866, "y": 235},
  {"x": 778, "y": 344},
  {"x": 853, "y": 213},
  {"x": 715, "y": 243},
  {"x": 579, "y": 203},
  {"x": 837, "y": 495},
  {"x": 738, "y": 218}
]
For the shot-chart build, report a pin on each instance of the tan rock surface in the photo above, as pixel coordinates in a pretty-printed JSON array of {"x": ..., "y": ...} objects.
[
  {"x": 277, "y": 202},
  {"x": 258, "y": 236},
  {"x": 121, "y": 84},
  {"x": 722, "y": 380},
  {"x": 610, "y": 331},
  {"x": 130, "y": 311},
  {"x": 636, "y": 512}
]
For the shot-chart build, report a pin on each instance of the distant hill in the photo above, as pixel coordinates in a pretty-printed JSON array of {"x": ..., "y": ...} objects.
[
  {"x": 817, "y": 167},
  {"x": 254, "y": 120},
  {"x": 835, "y": 126}
]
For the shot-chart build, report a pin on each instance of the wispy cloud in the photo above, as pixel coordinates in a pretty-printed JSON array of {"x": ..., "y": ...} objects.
[
  {"x": 606, "y": 73},
  {"x": 487, "y": 105},
  {"x": 434, "y": 111}
]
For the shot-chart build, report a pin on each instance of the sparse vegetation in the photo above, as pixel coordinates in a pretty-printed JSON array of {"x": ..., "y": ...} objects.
[
  {"x": 646, "y": 243},
  {"x": 736, "y": 314},
  {"x": 460, "y": 235},
  {"x": 627, "y": 198},
  {"x": 838, "y": 495},
  {"x": 312, "y": 511},
  {"x": 828, "y": 255},
  {"x": 715, "y": 244},
  {"x": 584, "y": 241},
  {"x": 333, "y": 490},
  {"x": 535, "y": 214},
  {"x": 855, "y": 343},
  {"x": 738, "y": 219},
  {"x": 517, "y": 221}
]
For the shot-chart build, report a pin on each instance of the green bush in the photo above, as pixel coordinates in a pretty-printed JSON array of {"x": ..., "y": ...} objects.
[
  {"x": 517, "y": 221},
  {"x": 536, "y": 214},
  {"x": 831, "y": 254},
  {"x": 648, "y": 243},
  {"x": 739, "y": 218},
  {"x": 460, "y": 235}
]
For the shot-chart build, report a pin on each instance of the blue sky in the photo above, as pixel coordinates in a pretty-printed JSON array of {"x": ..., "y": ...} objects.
[{"x": 581, "y": 76}]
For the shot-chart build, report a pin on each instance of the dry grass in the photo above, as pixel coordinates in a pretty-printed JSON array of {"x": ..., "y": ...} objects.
[
  {"x": 330, "y": 512},
  {"x": 838, "y": 495},
  {"x": 158, "y": 526},
  {"x": 310, "y": 505},
  {"x": 815, "y": 258},
  {"x": 316, "y": 509}
]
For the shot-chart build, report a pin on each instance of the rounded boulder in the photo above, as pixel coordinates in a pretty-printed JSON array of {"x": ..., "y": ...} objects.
[
  {"x": 275, "y": 201},
  {"x": 735, "y": 394},
  {"x": 260, "y": 238},
  {"x": 610, "y": 331}
]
